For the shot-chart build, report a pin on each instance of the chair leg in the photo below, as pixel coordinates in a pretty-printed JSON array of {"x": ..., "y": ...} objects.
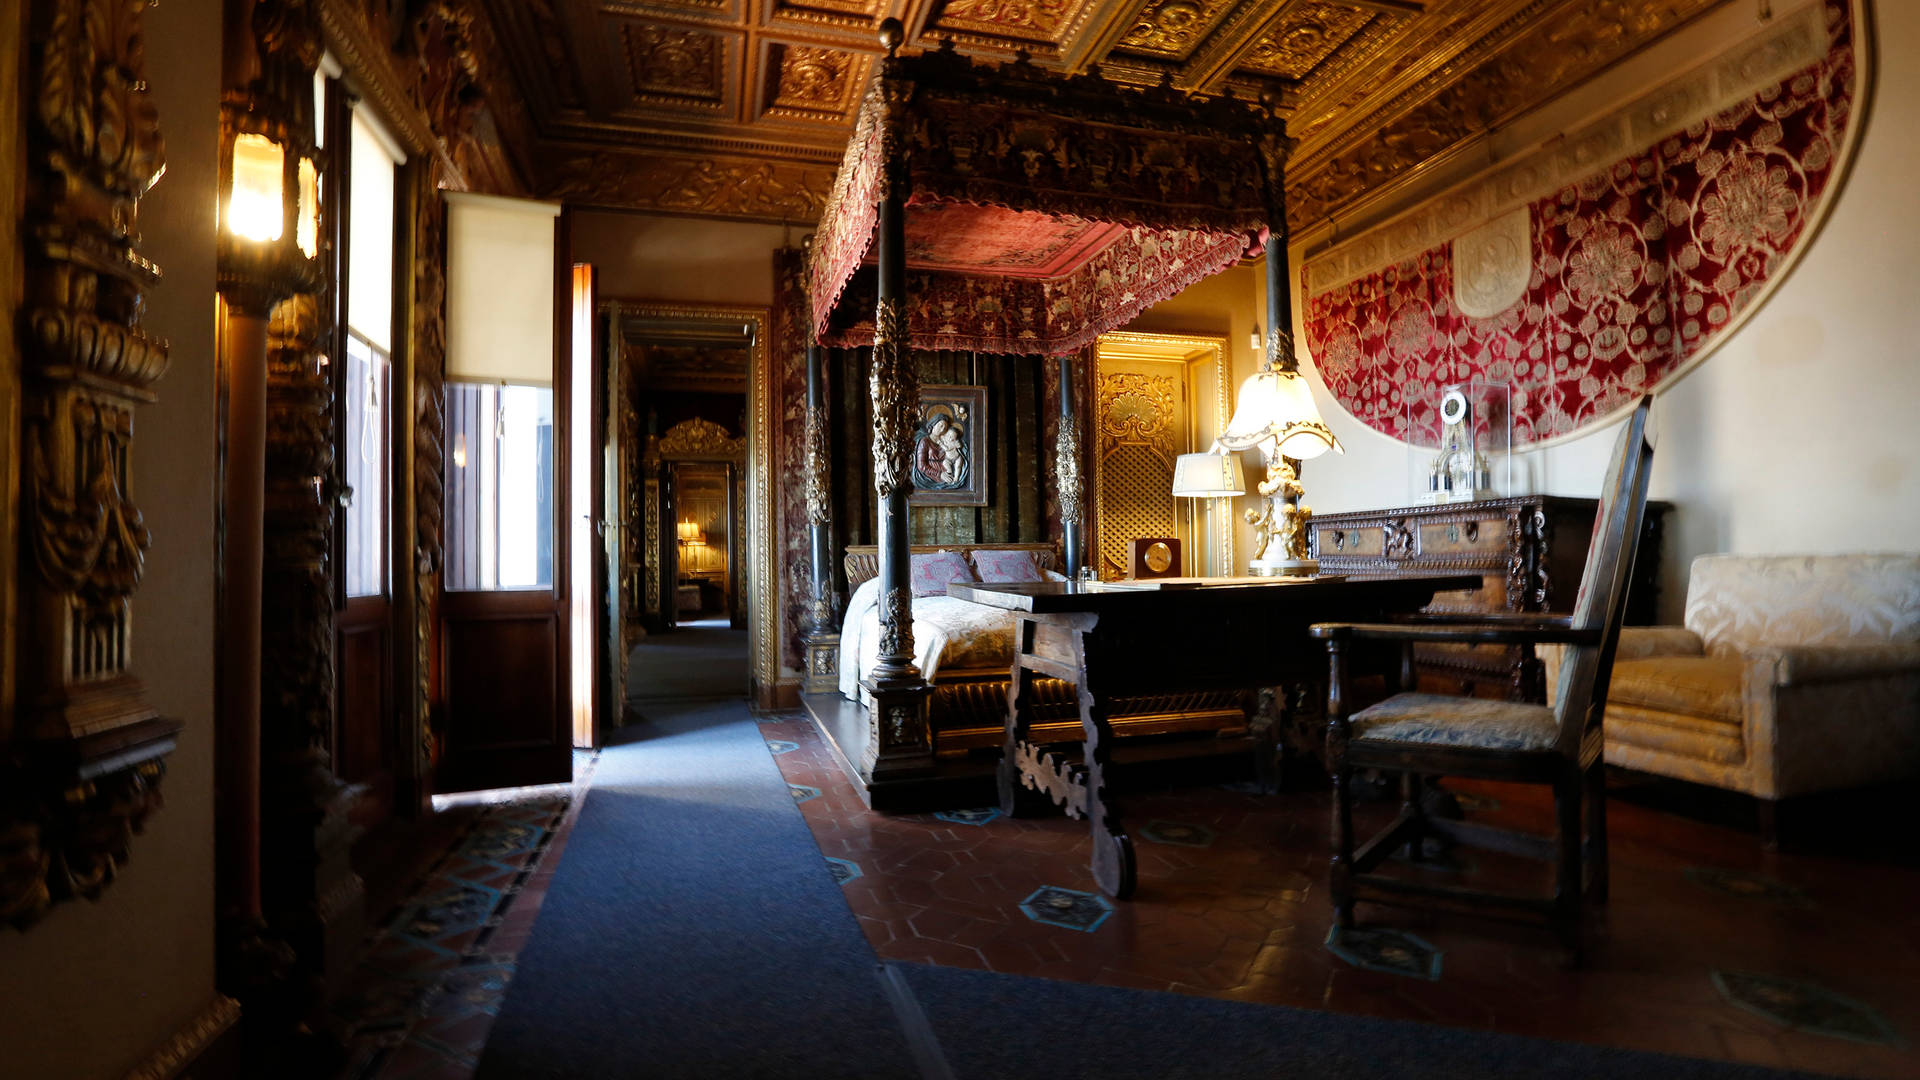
[
  {"x": 1566, "y": 891},
  {"x": 1340, "y": 874},
  {"x": 1410, "y": 794},
  {"x": 1767, "y": 814},
  {"x": 1596, "y": 785}
]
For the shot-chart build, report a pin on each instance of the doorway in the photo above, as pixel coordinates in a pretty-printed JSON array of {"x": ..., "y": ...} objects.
[
  {"x": 689, "y": 501},
  {"x": 1155, "y": 397}
]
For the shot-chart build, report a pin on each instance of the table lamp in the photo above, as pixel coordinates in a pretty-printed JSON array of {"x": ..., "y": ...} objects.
[
  {"x": 1208, "y": 476},
  {"x": 1277, "y": 414}
]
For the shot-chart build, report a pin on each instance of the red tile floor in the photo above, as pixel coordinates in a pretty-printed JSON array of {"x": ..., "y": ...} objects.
[{"x": 1824, "y": 951}]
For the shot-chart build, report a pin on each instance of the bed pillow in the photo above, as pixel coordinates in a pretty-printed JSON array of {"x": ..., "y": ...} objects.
[
  {"x": 931, "y": 572},
  {"x": 1006, "y": 565}
]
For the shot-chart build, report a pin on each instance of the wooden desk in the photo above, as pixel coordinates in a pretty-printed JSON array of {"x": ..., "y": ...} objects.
[{"x": 1113, "y": 641}]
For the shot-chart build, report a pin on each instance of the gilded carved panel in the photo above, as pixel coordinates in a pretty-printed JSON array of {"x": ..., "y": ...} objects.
[
  {"x": 1305, "y": 36},
  {"x": 1173, "y": 28},
  {"x": 806, "y": 82},
  {"x": 677, "y": 67}
]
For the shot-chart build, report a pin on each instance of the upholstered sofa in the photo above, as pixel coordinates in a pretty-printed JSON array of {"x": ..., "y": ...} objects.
[{"x": 1792, "y": 675}]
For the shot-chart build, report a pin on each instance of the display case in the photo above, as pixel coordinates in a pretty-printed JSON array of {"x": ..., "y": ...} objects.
[{"x": 1460, "y": 444}]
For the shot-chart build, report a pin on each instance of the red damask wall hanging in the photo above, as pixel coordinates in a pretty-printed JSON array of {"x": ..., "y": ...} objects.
[{"x": 1586, "y": 293}]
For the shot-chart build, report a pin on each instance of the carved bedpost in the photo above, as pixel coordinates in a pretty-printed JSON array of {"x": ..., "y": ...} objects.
[
  {"x": 1066, "y": 472},
  {"x": 898, "y": 740},
  {"x": 83, "y": 754},
  {"x": 821, "y": 639}
]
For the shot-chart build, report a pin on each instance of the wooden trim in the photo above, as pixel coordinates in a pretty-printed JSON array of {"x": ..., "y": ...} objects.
[{"x": 190, "y": 1042}]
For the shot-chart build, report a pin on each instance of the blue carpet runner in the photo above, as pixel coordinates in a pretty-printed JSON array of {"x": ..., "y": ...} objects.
[{"x": 693, "y": 929}]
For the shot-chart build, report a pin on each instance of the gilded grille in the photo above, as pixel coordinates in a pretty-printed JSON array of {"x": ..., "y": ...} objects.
[{"x": 1139, "y": 421}]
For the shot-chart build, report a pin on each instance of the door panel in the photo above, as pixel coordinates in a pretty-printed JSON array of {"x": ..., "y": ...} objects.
[
  {"x": 507, "y": 700},
  {"x": 504, "y": 614}
]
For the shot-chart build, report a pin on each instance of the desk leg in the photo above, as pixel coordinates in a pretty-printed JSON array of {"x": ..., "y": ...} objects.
[
  {"x": 1017, "y": 798},
  {"x": 1113, "y": 861}
]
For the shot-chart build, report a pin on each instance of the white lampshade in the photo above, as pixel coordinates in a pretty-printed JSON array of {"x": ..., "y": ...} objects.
[
  {"x": 1277, "y": 406},
  {"x": 1208, "y": 476}
]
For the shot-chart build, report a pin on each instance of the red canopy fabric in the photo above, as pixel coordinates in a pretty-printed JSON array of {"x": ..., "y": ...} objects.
[{"x": 1044, "y": 211}]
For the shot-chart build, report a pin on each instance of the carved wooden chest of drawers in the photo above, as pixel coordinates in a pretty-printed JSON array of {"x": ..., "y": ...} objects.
[{"x": 1529, "y": 550}]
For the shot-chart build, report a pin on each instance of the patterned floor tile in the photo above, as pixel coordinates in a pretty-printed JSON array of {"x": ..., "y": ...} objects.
[
  {"x": 782, "y": 746},
  {"x": 431, "y": 981},
  {"x": 1176, "y": 832},
  {"x": 1804, "y": 1006},
  {"x": 802, "y": 793},
  {"x": 1067, "y": 908},
  {"x": 1751, "y": 886},
  {"x": 1394, "y": 952},
  {"x": 979, "y": 815},
  {"x": 843, "y": 870}
]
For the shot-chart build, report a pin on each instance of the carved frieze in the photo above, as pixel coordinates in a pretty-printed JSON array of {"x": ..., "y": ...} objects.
[
  {"x": 701, "y": 438},
  {"x": 1037, "y": 19},
  {"x": 742, "y": 188}
]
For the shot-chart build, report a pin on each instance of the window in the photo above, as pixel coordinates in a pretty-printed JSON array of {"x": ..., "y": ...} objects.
[
  {"x": 364, "y": 385},
  {"x": 363, "y": 449},
  {"x": 499, "y": 486}
]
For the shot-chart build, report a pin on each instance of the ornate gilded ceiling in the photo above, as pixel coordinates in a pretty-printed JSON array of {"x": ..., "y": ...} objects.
[{"x": 741, "y": 108}]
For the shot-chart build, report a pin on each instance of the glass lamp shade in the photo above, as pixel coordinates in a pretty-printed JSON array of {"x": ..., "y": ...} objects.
[
  {"x": 307, "y": 224},
  {"x": 1277, "y": 407},
  {"x": 1208, "y": 476},
  {"x": 255, "y": 210}
]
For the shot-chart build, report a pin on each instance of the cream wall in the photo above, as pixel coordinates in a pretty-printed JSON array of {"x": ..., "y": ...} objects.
[
  {"x": 640, "y": 256},
  {"x": 95, "y": 987},
  {"x": 1799, "y": 434}
]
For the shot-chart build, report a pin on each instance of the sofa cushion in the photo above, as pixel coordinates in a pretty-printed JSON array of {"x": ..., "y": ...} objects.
[
  {"x": 1440, "y": 720},
  {"x": 1698, "y": 686},
  {"x": 1736, "y": 602}
]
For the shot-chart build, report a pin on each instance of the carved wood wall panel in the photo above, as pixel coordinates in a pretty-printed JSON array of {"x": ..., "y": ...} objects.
[{"x": 82, "y": 754}]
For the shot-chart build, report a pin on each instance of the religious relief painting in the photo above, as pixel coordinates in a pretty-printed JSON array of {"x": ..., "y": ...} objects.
[{"x": 950, "y": 446}]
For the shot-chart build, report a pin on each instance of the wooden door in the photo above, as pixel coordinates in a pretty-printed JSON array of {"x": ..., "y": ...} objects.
[
  {"x": 504, "y": 627},
  {"x": 616, "y": 518}
]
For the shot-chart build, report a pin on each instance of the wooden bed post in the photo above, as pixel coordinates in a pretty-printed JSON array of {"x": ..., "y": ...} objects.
[
  {"x": 1066, "y": 471},
  {"x": 899, "y": 742},
  {"x": 821, "y": 639}
]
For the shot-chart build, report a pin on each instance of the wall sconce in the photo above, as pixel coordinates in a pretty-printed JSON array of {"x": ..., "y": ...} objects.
[{"x": 269, "y": 220}]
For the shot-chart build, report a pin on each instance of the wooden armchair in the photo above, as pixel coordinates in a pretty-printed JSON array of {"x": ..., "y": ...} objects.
[{"x": 1429, "y": 735}]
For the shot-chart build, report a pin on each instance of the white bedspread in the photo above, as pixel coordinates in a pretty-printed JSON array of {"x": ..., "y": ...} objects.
[{"x": 947, "y": 633}]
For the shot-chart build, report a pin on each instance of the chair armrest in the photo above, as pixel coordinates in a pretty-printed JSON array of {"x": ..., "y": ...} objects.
[
  {"x": 1642, "y": 642},
  {"x": 1800, "y": 665},
  {"x": 1510, "y": 630}
]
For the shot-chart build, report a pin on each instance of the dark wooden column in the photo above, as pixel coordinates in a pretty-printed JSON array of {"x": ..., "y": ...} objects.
[
  {"x": 1066, "y": 471},
  {"x": 820, "y": 637},
  {"x": 898, "y": 742}
]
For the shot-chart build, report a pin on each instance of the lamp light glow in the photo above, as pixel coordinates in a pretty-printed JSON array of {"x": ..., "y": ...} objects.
[
  {"x": 1276, "y": 408},
  {"x": 254, "y": 207},
  {"x": 1208, "y": 476},
  {"x": 306, "y": 231}
]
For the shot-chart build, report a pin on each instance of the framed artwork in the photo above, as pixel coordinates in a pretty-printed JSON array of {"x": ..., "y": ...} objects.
[{"x": 950, "y": 447}]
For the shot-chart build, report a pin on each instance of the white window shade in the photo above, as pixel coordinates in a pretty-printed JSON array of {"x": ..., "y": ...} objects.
[
  {"x": 370, "y": 164},
  {"x": 500, "y": 289}
]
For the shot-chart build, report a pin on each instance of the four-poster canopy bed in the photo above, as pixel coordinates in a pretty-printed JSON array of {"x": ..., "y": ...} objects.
[{"x": 1007, "y": 209}]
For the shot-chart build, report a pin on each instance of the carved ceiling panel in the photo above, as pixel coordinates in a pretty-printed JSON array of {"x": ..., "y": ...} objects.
[
  {"x": 1305, "y": 37},
  {"x": 743, "y": 107},
  {"x": 676, "y": 67}
]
